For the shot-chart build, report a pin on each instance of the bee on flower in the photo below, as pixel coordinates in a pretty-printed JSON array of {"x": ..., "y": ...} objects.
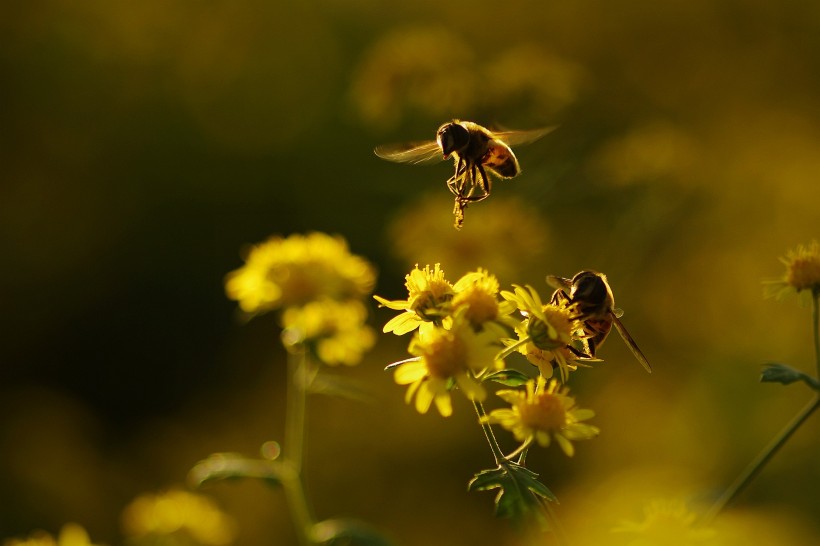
[
  {"x": 546, "y": 334},
  {"x": 543, "y": 412},
  {"x": 445, "y": 358}
]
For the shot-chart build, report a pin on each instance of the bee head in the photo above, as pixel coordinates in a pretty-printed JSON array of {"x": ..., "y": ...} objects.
[
  {"x": 452, "y": 137},
  {"x": 590, "y": 286}
]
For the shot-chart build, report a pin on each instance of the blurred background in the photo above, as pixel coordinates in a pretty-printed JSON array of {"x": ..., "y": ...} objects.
[{"x": 144, "y": 144}]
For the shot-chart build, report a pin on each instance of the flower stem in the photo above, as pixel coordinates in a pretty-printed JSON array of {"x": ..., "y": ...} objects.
[
  {"x": 754, "y": 467},
  {"x": 815, "y": 322},
  {"x": 294, "y": 449},
  {"x": 498, "y": 455}
]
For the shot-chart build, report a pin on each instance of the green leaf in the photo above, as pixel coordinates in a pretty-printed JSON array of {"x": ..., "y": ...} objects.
[
  {"x": 227, "y": 466},
  {"x": 346, "y": 532},
  {"x": 781, "y": 373},
  {"x": 521, "y": 494},
  {"x": 508, "y": 377}
]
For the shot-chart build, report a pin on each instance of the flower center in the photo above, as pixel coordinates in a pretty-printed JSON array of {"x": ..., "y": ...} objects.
[
  {"x": 545, "y": 412},
  {"x": 804, "y": 273},
  {"x": 481, "y": 306},
  {"x": 446, "y": 356}
]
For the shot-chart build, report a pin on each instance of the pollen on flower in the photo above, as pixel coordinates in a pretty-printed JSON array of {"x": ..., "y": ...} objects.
[
  {"x": 554, "y": 329},
  {"x": 428, "y": 291},
  {"x": 445, "y": 354},
  {"x": 477, "y": 295},
  {"x": 545, "y": 412},
  {"x": 542, "y": 413}
]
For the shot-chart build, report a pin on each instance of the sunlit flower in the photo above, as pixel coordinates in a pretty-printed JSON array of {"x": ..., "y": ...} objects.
[
  {"x": 666, "y": 523},
  {"x": 428, "y": 300},
  {"x": 546, "y": 333},
  {"x": 70, "y": 535},
  {"x": 179, "y": 514},
  {"x": 446, "y": 358},
  {"x": 802, "y": 271},
  {"x": 297, "y": 270},
  {"x": 335, "y": 330},
  {"x": 543, "y": 412},
  {"x": 477, "y": 294}
]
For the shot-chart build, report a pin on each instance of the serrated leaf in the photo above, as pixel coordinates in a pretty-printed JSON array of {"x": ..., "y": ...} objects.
[
  {"x": 508, "y": 377},
  {"x": 781, "y": 373},
  {"x": 228, "y": 466},
  {"x": 520, "y": 495},
  {"x": 345, "y": 532}
]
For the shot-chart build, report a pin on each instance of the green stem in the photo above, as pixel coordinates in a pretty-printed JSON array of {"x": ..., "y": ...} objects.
[
  {"x": 760, "y": 461},
  {"x": 293, "y": 451},
  {"x": 815, "y": 321},
  {"x": 498, "y": 455}
]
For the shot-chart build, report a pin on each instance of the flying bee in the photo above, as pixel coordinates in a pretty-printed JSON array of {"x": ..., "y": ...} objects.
[
  {"x": 477, "y": 153},
  {"x": 590, "y": 294}
]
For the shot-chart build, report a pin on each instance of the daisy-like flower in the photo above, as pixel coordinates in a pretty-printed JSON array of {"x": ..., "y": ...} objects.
[
  {"x": 477, "y": 294},
  {"x": 178, "y": 517},
  {"x": 297, "y": 270},
  {"x": 336, "y": 331},
  {"x": 446, "y": 358},
  {"x": 666, "y": 522},
  {"x": 428, "y": 300},
  {"x": 546, "y": 333},
  {"x": 802, "y": 271},
  {"x": 543, "y": 412},
  {"x": 70, "y": 535}
]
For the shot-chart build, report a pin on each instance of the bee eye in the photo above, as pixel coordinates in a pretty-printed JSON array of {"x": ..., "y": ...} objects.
[{"x": 452, "y": 137}]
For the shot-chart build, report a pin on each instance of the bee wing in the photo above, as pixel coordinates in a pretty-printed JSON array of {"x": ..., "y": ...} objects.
[
  {"x": 561, "y": 283},
  {"x": 519, "y": 138},
  {"x": 416, "y": 153},
  {"x": 630, "y": 342}
]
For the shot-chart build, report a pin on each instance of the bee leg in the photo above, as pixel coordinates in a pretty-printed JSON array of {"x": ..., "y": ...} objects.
[{"x": 486, "y": 182}]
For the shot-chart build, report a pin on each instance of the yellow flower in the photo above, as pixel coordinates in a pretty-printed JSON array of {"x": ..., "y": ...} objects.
[
  {"x": 297, "y": 270},
  {"x": 446, "y": 358},
  {"x": 177, "y": 513},
  {"x": 544, "y": 337},
  {"x": 666, "y": 523},
  {"x": 477, "y": 294},
  {"x": 335, "y": 330},
  {"x": 70, "y": 535},
  {"x": 544, "y": 411},
  {"x": 802, "y": 271},
  {"x": 428, "y": 300}
]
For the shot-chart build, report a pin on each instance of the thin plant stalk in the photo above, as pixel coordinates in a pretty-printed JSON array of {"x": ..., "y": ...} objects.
[
  {"x": 757, "y": 464},
  {"x": 498, "y": 455},
  {"x": 294, "y": 448}
]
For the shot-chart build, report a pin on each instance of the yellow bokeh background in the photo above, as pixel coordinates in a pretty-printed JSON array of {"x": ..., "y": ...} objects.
[{"x": 144, "y": 145}]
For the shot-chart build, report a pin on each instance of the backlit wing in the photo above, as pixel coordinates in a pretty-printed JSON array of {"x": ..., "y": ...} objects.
[
  {"x": 519, "y": 138},
  {"x": 630, "y": 343},
  {"x": 416, "y": 153}
]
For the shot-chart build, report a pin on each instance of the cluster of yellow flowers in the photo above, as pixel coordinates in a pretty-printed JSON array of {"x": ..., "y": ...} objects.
[
  {"x": 319, "y": 286},
  {"x": 462, "y": 333}
]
